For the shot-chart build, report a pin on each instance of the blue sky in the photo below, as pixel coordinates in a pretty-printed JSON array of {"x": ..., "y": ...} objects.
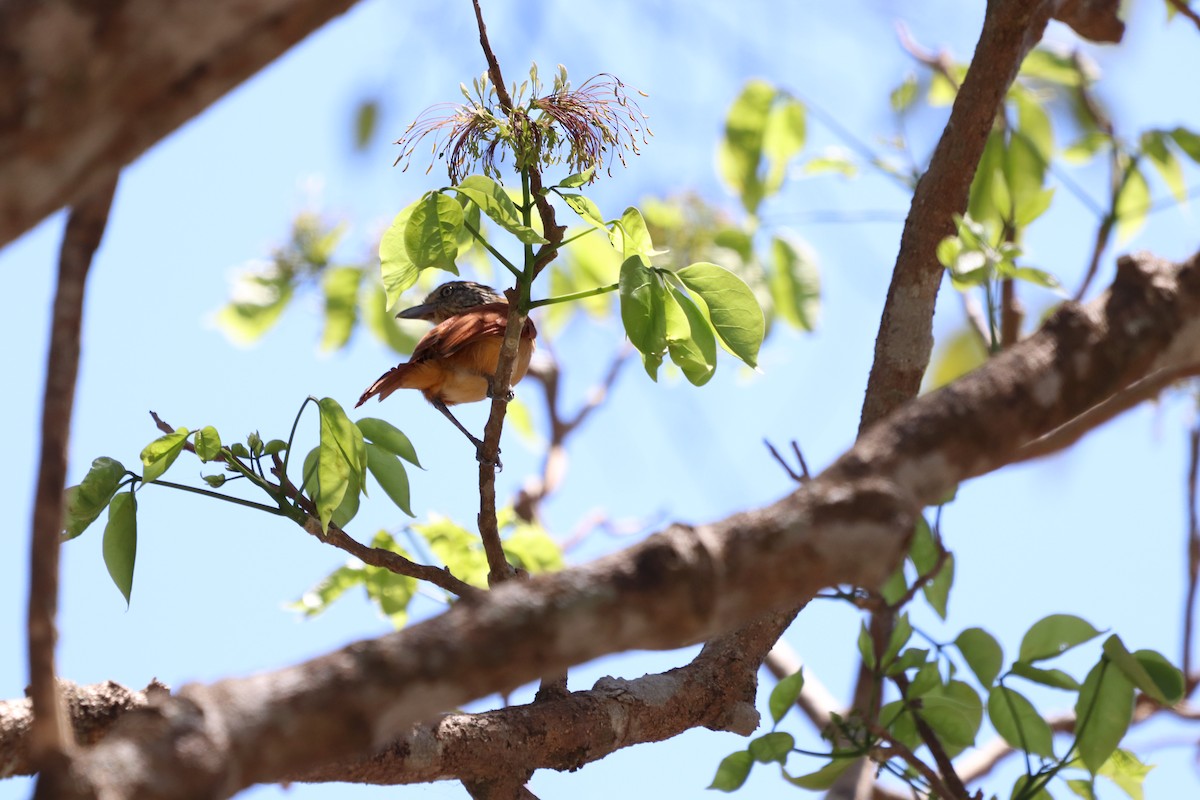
[{"x": 1096, "y": 532}]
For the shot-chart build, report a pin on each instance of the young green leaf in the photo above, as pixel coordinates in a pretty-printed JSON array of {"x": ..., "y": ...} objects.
[
  {"x": 643, "y": 306},
  {"x": 431, "y": 235},
  {"x": 161, "y": 453},
  {"x": 955, "y": 713},
  {"x": 586, "y": 209},
  {"x": 1168, "y": 692},
  {"x": 740, "y": 151},
  {"x": 774, "y": 746},
  {"x": 494, "y": 201},
  {"x": 397, "y": 268},
  {"x": 1125, "y": 770},
  {"x": 1054, "y": 678},
  {"x": 348, "y": 508},
  {"x": 340, "y": 285},
  {"x": 823, "y": 778},
  {"x": 533, "y": 549},
  {"x": 331, "y": 587},
  {"x": 783, "y": 137},
  {"x": 391, "y": 592},
  {"x": 982, "y": 653},
  {"x": 795, "y": 283},
  {"x": 631, "y": 237},
  {"x": 732, "y": 771},
  {"x": 937, "y": 591},
  {"x": 901, "y": 633},
  {"x": 388, "y": 470},
  {"x": 736, "y": 316},
  {"x": 785, "y": 694},
  {"x": 690, "y": 340},
  {"x": 458, "y": 549},
  {"x": 389, "y": 437},
  {"x": 866, "y": 647},
  {"x": 1015, "y": 719},
  {"x": 208, "y": 443},
  {"x": 1133, "y": 204},
  {"x": 578, "y": 179},
  {"x": 1022, "y": 791},
  {"x": 1104, "y": 710},
  {"x": 84, "y": 502},
  {"x": 342, "y": 454},
  {"x": 120, "y": 542},
  {"x": 1188, "y": 142},
  {"x": 1154, "y": 145},
  {"x": 1053, "y": 636}
]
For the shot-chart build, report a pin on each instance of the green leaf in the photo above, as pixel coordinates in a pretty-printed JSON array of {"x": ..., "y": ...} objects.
[
  {"x": 1024, "y": 175},
  {"x": 643, "y": 306},
  {"x": 631, "y": 236},
  {"x": 431, "y": 236},
  {"x": 331, "y": 587},
  {"x": 1133, "y": 203},
  {"x": 578, "y": 179},
  {"x": 1154, "y": 145},
  {"x": 389, "y": 437},
  {"x": 1021, "y": 791},
  {"x": 732, "y": 771},
  {"x": 894, "y": 587},
  {"x": 208, "y": 443},
  {"x": 83, "y": 503},
  {"x": 909, "y": 659},
  {"x": 834, "y": 159},
  {"x": 866, "y": 647},
  {"x": 903, "y": 96},
  {"x": 366, "y": 118},
  {"x": 161, "y": 454},
  {"x": 1081, "y": 788},
  {"x": 770, "y": 747},
  {"x": 1032, "y": 207},
  {"x": 923, "y": 550},
  {"x": 1015, "y": 719},
  {"x": 342, "y": 455},
  {"x": 340, "y": 285},
  {"x": 901, "y": 633},
  {"x": 274, "y": 446},
  {"x": 348, "y": 508},
  {"x": 1125, "y": 770},
  {"x": 1037, "y": 277},
  {"x": 383, "y": 325},
  {"x": 690, "y": 340},
  {"x": 736, "y": 316},
  {"x": 900, "y": 719},
  {"x": 956, "y": 357},
  {"x": 1052, "y": 67},
  {"x": 389, "y": 472},
  {"x": 390, "y": 592},
  {"x": 982, "y": 653},
  {"x": 1104, "y": 710},
  {"x": 586, "y": 209},
  {"x": 925, "y": 681},
  {"x": 493, "y": 200},
  {"x": 1054, "y": 678},
  {"x": 1033, "y": 123},
  {"x": 785, "y": 694},
  {"x": 955, "y": 713},
  {"x": 238, "y": 449},
  {"x": 740, "y": 151},
  {"x": 1054, "y": 635},
  {"x": 458, "y": 549},
  {"x": 215, "y": 481},
  {"x": 1134, "y": 666},
  {"x": 120, "y": 542},
  {"x": 1085, "y": 148},
  {"x": 783, "y": 137},
  {"x": 823, "y": 778},
  {"x": 795, "y": 283},
  {"x": 533, "y": 549},
  {"x": 937, "y": 591},
  {"x": 1188, "y": 142},
  {"x": 397, "y": 269},
  {"x": 989, "y": 194}
]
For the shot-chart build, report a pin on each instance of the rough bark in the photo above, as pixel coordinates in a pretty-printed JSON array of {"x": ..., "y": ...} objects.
[
  {"x": 848, "y": 525},
  {"x": 85, "y": 88}
]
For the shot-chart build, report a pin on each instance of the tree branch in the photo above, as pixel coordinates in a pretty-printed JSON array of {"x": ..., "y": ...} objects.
[
  {"x": 88, "y": 87},
  {"x": 50, "y": 742},
  {"x": 848, "y": 525}
]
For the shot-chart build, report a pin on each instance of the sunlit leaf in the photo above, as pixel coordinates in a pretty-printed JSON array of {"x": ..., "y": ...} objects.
[
  {"x": 330, "y": 588},
  {"x": 585, "y": 208},
  {"x": 795, "y": 283},
  {"x": 397, "y": 268},
  {"x": 740, "y": 151},
  {"x": 1054, "y": 635},
  {"x": 457, "y": 548},
  {"x": 1133, "y": 204},
  {"x": 631, "y": 237},
  {"x": 493, "y": 200},
  {"x": 340, "y": 285},
  {"x": 208, "y": 443},
  {"x": 161, "y": 454},
  {"x": 431, "y": 235},
  {"x": 388, "y": 470},
  {"x": 643, "y": 306},
  {"x": 83, "y": 503},
  {"x": 342, "y": 454},
  {"x": 389, "y": 437},
  {"x": 783, "y": 138},
  {"x": 785, "y": 694},
  {"x": 1125, "y": 770},
  {"x": 690, "y": 340},
  {"x": 120, "y": 541},
  {"x": 736, "y": 316},
  {"x": 1154, "y": 145}
]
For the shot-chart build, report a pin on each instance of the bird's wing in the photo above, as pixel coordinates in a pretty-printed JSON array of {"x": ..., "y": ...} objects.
[{"x": 451, "y": 335}]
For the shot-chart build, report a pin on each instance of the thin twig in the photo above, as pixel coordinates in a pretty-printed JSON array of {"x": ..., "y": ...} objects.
[
  {"x": 50, "y": 738},
  {"x": 1193, "y": 555},
  {"x": 1012, "y": 313},
  {"x": 800, "y": 477},
  {"x": 934, "y": 744},
  {"x": 936, "y": 784}
]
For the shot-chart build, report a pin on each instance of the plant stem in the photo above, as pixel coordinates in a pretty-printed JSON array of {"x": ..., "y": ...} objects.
[
  {"x": 549, "y": 301},
  {"x": 236, "y": 500},
  {"x": 495, "y": 253}
]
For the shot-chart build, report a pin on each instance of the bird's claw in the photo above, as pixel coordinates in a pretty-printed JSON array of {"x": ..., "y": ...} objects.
[{"x": 479, "y": 456}]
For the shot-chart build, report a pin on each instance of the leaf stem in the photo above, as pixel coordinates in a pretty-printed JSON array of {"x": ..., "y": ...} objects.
[
  {"x": 236, "y": 500},
  {"x": 495, "y": 253},
  {"x": 549, "y": 301}
]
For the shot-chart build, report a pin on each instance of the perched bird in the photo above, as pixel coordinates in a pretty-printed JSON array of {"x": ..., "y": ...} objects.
[{"x": 456, "y": 360}]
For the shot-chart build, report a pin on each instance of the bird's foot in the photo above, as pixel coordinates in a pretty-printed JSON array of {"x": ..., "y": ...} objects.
[
  {"x": 491, "y": 391},
  {"x": 483, "y": 459}
]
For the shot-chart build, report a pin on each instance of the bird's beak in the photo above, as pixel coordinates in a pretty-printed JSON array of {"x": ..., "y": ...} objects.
[{"x": 424, "y": 311}]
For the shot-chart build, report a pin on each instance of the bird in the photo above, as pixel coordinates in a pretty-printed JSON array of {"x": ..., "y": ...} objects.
[{"x": 456, "y": 360}]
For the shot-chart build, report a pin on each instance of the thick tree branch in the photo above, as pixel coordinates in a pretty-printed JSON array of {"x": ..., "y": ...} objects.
[
  {"x": 849, "y": 525},
  {"x": 905, "y": 340},
  {"x": 87, "y": 87},
  {"x": 50, "y": 741}
]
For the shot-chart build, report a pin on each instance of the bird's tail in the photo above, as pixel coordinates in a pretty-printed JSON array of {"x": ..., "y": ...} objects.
[{"x": 406, "y": 376}]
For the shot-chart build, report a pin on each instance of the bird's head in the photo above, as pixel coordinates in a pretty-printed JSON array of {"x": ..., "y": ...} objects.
[{"x": 450, "y": 299}]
